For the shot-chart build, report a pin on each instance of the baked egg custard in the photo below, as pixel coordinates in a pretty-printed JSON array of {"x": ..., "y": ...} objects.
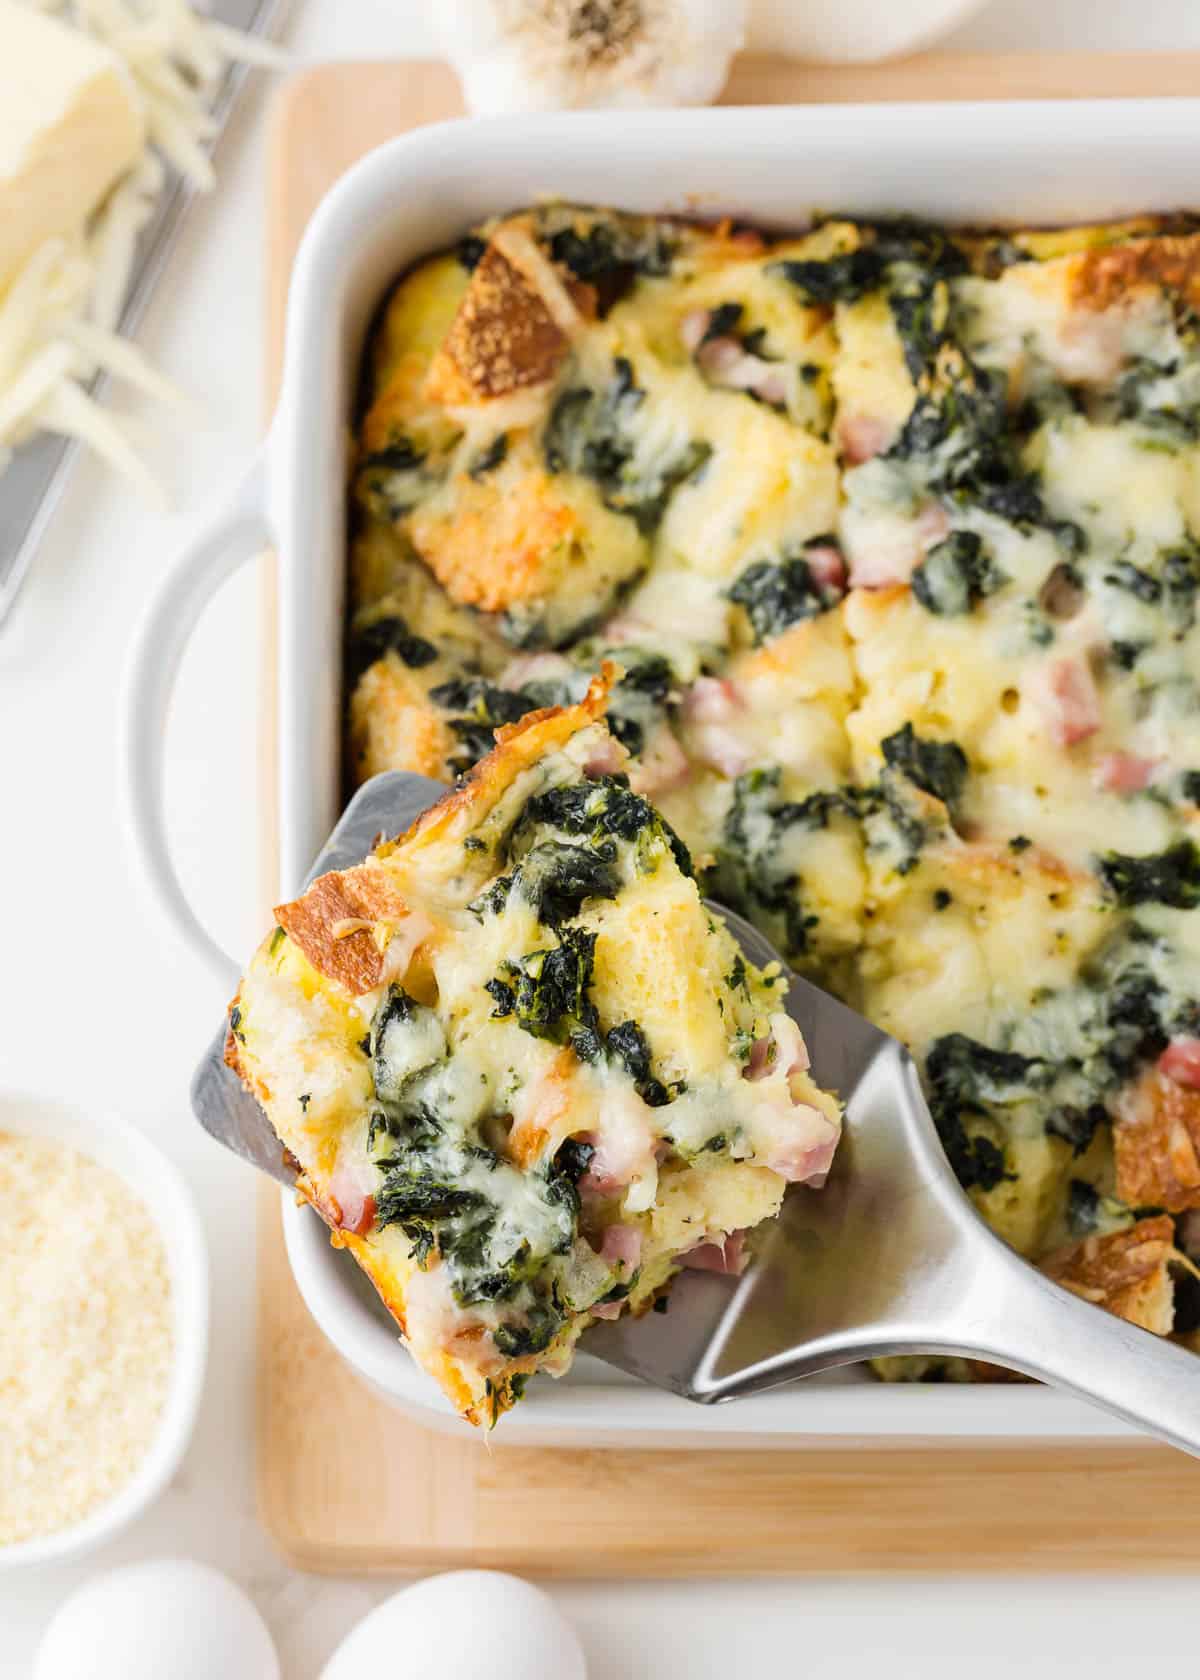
[
  {"x": 892, "y": 530},
  {"x": 523, "y": 1073}
]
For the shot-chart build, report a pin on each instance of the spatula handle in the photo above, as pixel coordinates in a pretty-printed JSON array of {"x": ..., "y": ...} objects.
[{"x": 1019, "y": 1318}]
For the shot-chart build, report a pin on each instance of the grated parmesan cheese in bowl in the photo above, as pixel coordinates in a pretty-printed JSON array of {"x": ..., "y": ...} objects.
[{"x": 103, "y": 1325}]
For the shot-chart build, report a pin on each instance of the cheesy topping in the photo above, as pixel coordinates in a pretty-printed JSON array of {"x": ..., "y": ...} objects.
[
  {"x": 529, "y": 1074},
  {"x": 895, "y": 533}
]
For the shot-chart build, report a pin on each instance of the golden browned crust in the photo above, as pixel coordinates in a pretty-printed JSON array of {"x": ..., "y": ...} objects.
[
  {"x": 551, "y": 1115},
  {"x": 502, "y": 339},
  {"x": 518, "y": 745},
  {"x": 394, "y": 727},
  {"x": 1156, "y": 1142},
  {"x": 494, "y": 546},
  {"x": 1126, "y": 1272},
  {"x": 231, "y": 1055},
  {"x": 1109, "y": 274},
  {"x": 353, "y": 959}
]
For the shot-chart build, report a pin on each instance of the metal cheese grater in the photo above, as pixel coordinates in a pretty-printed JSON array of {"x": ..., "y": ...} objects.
[{"x": 32, "y": 486}]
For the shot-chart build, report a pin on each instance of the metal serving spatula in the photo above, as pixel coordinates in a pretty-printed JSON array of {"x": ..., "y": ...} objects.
[{"x": 889, "y": 1257}]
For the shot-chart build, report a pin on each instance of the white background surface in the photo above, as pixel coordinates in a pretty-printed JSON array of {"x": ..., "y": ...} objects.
[{"x": 69, "y": 1018}]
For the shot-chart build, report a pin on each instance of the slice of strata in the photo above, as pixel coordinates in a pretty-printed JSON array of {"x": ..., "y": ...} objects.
[{"x": 524, "y": 1073}]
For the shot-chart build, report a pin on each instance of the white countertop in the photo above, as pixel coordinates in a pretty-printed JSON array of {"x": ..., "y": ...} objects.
[{"x": 60, "y": 666}]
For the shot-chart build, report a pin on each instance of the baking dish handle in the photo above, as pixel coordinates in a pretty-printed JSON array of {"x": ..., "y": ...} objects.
[{"x": 222, "y": 541}]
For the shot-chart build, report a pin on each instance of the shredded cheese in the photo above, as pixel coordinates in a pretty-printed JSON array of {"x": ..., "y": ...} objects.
[
  {"x": 59, "y": 312},
  {"x": 85, "y": 1335}
]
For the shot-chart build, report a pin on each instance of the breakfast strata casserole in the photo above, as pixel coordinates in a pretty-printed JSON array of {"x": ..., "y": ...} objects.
[
  {"x": 892, "y": 533},
  {"x": 523, "y": 1073}
]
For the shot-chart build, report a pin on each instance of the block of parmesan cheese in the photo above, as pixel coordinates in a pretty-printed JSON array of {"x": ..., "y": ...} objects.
[{"x": 70, "y": 126}]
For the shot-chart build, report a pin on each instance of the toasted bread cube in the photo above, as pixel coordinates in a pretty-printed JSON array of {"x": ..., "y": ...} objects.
[
  {"x": 1126, "y": 1272},
  {"x": 1156, "y": 1141}
]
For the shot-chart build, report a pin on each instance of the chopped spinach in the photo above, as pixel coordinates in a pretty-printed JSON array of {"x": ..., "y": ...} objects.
[
  {"x": 752, "y": 872},
  {"x": 599, "y": 807},
  {"x": 1075, "y": 1125},
  {"x": 402, "y": 455},
  {"x": 518, "y": 1341},
  {"x": 573, "y": 1159},
  {"x": 590, "y": 433},
  {"x": 557, "y": 877},
  {"x": 1088, "y": 1211},
  {"x": 609, "y": 255},
  {"x": 479, "y": 708},
  {"x": 897, "y": 249},
  {"x": 1170, "y": 877},
  {"x": 895, "y": 819},
  {"x": 388, "y": 634},
  {"x": 965, "y": 1072},
  {"x": 965, "y": 1077},
  {"x": 1164, "y": 397},
  {"x": 1125, "y": 655},
  {"x": 394, "y": 479},
  {"x": 626, "y": 1043},
  {"x": 938, "y": 768},
  {"x": 489, "y": 457},
  {"x": 409, "y": 1196},
  {"x": 722, "y": 321},
  {"x": 1133, "y": 1015},
  {"x": 974, "y": 1158},
  {"x": 956, "y": 575},
  {"x": 547, "y": 991},
  {"x": 840, "y": 279},
  {"x": 775, "y": 595},
  {"x": 640, "y": 698},
  {"x": 1181, "y": 581},
  {"x": 406, "y": 1041},
  {"x": 1123, "y": 575}
]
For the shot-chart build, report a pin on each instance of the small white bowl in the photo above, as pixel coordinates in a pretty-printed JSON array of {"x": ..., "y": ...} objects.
[{"x": 120, "y": 1147}]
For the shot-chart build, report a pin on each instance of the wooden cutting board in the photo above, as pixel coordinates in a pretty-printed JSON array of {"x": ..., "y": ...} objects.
[{"x": 348, "y": 1484}]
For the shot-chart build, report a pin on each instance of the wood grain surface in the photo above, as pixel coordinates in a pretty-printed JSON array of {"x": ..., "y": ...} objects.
[{"x": 348, "y": 1484}]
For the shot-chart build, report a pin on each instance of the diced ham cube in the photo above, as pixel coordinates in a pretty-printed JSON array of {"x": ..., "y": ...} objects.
[
  {"x": 664, "y": 764},
  {"x": 711, "y": 700},
  {"x": 827, "y": 565},
  {"x": 353, "y": 1205},
  {"x": 728, "y": 1257},
  {"x": 693, "y": 328},
  {"x": 708, "y": 707},
  {"x": 890, "y": 556},
  {"x": 863, "y": 436},
  {"x": 622, "y": 1246},
  {"x": 1121, "y": 772},
  {"x": 723, "y": 361},
  {"x": 806, "y": 1161},
  {"x": 1180, "y": 1062},
  {"x": 1069, "y": 701},
  {"x": 607, "y": 758},
  {"x": 536, "y": 667}
]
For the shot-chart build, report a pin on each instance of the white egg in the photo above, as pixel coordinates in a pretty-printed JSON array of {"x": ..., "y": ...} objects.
[
  {"x": 472, "y": 1625},
  {"x": 153, "y": 1620}
]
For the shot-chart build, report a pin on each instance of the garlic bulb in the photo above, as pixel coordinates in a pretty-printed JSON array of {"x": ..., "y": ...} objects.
[{"x": 540, "y": 55}]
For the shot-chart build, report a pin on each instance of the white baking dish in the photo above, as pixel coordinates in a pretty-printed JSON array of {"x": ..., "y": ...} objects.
[{"x": 1027, "y": 162}]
